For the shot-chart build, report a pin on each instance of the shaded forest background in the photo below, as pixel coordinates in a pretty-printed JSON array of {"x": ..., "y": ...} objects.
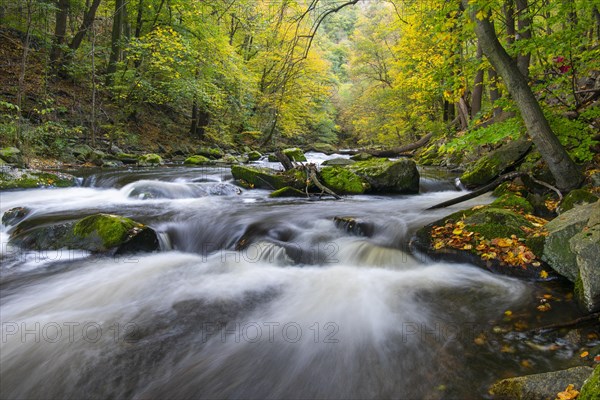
[{"x": 170, "y": 75}]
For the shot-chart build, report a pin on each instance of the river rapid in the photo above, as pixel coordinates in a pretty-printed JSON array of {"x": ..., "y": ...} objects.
[{"x": 306, "y": 310}]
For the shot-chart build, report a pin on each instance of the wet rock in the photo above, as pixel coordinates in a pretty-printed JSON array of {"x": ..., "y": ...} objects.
[
  {"x": 287, "y": 192},
  {"x": 343, "y": 181},
  {"x": 210, "y": 152},
  {"x": 14, "y": 178},
  {"x": 254, "y": 155},
  {"x": 197, "y": 160},
  {"x": 361, "y": 157},
  {"x": 230, "y": 159},
  {"x": 266, "y": 178},
  {"x": 324, "y": 148},
  {"x": 386, "y": 176},
  {"x": 540, "y": 386},
  {"x": 294, "y": 154},
  {"x": 576, "y": 197},
  {"x": 99, "y": 233},
  {"x": 495, "y": 163},
  {"x": 150, "y": 159},
  {"x": 354, "y": 226},
  {"x": 490, "y": 223},
  {"x": 14, "y": 215},
  {"x": 126, "y": 158},
  {"x": 591, "y": 387},
  {"x": 11, "y": 155},
  {"x": 338, "y": 161}
]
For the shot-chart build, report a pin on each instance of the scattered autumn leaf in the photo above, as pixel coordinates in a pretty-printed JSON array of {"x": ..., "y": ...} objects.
[
  {"x": 568, "y": 394},
  {"x": 584, "y": 354},
  {"x": 544, "y": 307}
]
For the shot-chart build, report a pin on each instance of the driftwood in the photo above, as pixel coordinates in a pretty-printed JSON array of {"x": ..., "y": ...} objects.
[
  {"x": 312, "y": 175},
  {"x": 284, "y": 160},
  {"x": 394, "y": 152},
  {"x": 492, "y": 186}
]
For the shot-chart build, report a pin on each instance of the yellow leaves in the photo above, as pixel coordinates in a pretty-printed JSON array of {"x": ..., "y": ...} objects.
[
  {"x": 502, "y": 242},
  {"x": 569, "y": 393},
  {"x": 551, "y": 204},
  {"x": 543, "y": 274},
  {"x": 544, "y": 307},
  {"x": 584, "y": 354},
  {"x": 489, "y": 256},
  {"x": 481, "y": 15},
  {"x": 457, "y": 231}
]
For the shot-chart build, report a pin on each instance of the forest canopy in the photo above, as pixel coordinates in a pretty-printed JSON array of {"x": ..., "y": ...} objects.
[{"x": 340, "y": 72}]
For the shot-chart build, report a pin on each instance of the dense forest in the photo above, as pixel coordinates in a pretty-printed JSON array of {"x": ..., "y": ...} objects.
[{"x": 261, "y": 73}]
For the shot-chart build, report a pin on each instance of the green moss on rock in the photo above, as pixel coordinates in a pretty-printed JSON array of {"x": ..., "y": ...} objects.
[
  {"x": 109, "y": 230},
  {"x": 343, "y": 181},
  {"x": 513, "y": 202},
  {"x": 361, "y": 157},
  {"x": 196, "y": 160},
  {"x": 254, "y": 156},
  {"x": 294, "y": 154},
  {"x": 493, "y": 164},
  {"x": 150, "y": 159},
  {"x": 210, "y": 152},
  {"x": 576, "y": 197},
  {"x": 30, "y": 179},
  {"x": 266, "y": 178},
  {"x": 591, "y": 388},
  {"x": 497, "y": 223},
  {"x": 11, "y": 155},
  {"x": 385, "y": 176}
]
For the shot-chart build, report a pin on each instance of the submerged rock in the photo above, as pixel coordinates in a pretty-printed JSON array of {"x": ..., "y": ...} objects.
[
  {"x": 540, "y": 386},
  {"x": 386, "y": 176},
  {"x": 98, "y": 233},
  {"x": 354, "y": 226},
  {"x": 14, "y": 178},
  {"x": 495, "y": 163},
  {"x": 14, "y": 215}
]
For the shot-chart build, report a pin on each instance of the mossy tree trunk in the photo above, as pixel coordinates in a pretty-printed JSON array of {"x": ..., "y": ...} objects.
[{"x": 564, "y": 170}]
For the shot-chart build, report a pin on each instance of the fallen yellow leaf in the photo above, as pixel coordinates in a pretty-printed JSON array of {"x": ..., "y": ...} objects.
[{"x": 584, "y": 354}]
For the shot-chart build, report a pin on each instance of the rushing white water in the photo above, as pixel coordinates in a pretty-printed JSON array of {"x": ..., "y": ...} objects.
[{"x": 307, "y": 310}]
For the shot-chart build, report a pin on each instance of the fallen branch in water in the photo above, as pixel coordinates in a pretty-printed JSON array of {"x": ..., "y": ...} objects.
[
  {"x": 492, "y": 186},
  {"x": 568, "y": 324},
  {"x": 312, "y": 176},
  {"x": 394, "y": 152}
]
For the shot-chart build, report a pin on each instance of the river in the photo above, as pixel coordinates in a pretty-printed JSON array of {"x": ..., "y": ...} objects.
[{"x": 306, "y": 310}]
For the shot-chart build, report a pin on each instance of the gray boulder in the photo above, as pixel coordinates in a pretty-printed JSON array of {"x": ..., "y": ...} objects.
[
  {"x": 572, "y": 247},
  {"x": 540, "y": 386}
]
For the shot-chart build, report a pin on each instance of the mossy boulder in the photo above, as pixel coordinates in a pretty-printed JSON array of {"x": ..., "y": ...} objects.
[
  {"x": 386, "y": 176},
  {"x": 254, "y": 155},
  {"x": 81, "y": 151},
  {"x": 272, "y": 158},
  {"x": 576, "y": 197},
  {"x": 150, "y": 159},
  {"x": 11, "y": 155},
  {"x": 429, "y": 155},
  {"x": 343, "y": 181},
  {"x": 126, "y": 158},
  {"x": 98, "y": 233},
  {"x": 338, "y": 161},
  {"x": 591, "y": 387},
  {"x": 230, "y": 159},
  {"x": 540, "y": 386},
  {"x": 15, "y": 178},
  {"x": 485, "y": 225},
  {"x": 266, "y": 178},
  {"x": 197, "y": 160},
  {"x": 495, "y": 163},
  {"x": 287, "y": 192},
  {"x": 210, "y": 152},
  {"x": 514, "y": 202},
  {"x": 361, "y": 157},
  {"x": 294, "y": 154},
  {"x": 324, "y": 148}
]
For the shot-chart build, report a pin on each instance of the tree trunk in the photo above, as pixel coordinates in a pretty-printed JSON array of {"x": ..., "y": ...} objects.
[
  {"x": 509, "y": 17},
  {"x": 524, "y": 33},
  {"x": 477, "y": 86},
  {"x": 563, "y": 169},
  {"x": 117, "y": 34},
  {"x": 200, "y": 120},
  {"x": 60, "y": 31},
  {"x": 88, "y": 19}
]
